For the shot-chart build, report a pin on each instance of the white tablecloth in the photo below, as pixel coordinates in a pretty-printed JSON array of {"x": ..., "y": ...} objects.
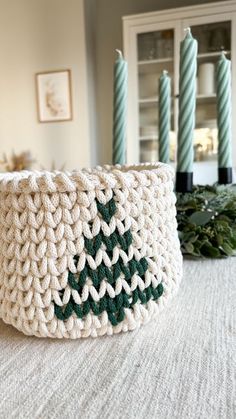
[{"x": 181, "y": 365}]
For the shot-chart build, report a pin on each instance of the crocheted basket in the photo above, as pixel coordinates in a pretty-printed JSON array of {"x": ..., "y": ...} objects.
[{"x": 91, "y": 252}]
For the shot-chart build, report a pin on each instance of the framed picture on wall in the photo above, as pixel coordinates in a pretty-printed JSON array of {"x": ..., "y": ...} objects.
[{"x": 53, "y": 91}]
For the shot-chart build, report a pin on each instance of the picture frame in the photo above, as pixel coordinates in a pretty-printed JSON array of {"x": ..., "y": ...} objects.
[{"x": 53, "y": 96}]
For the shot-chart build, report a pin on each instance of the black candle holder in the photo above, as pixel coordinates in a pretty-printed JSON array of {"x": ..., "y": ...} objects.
[
  {"x": 225, "y": 175},
  {"x": 184, "y": 182}
]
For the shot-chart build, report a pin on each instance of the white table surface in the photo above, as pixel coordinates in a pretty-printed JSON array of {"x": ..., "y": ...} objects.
[{"x": 181, "y": 365}]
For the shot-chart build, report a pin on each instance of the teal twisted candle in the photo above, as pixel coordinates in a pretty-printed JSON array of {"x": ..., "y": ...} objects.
[
  {"x": 164, "y": 117},
  {"x": 187, "y": 102},
  {"x": 119, "y": 110},
  {"x": 223, "y": 90}
]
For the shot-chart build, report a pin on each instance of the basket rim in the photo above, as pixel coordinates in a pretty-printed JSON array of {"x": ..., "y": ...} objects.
[{"x": 100, "y": 177}]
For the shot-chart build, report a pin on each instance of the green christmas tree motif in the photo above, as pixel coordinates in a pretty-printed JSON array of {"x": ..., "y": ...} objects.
[{"x": 113, "y": 306}]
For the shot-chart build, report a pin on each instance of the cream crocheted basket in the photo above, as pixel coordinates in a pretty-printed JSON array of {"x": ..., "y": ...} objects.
[{"x": 87, "y": 253}]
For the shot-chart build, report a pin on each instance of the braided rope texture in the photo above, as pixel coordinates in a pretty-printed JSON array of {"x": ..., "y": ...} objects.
[{"x": 87, "y": 253}]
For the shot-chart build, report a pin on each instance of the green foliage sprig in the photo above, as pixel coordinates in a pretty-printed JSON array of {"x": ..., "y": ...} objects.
[{"x": 207, "y": 221}]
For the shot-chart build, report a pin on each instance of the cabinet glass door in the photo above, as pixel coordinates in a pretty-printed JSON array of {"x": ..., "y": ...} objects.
[
  {"x": 213, "y": 38},
  {"x": 155, "y": 52}
]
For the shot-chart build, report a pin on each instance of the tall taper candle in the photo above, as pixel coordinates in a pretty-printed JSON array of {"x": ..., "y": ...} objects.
[
  {"x": 223, "y": 91},
  {"x": 187, "y": 105},
  {"x": 119, "y": 110},
  {"x": 164, "y": 117}
]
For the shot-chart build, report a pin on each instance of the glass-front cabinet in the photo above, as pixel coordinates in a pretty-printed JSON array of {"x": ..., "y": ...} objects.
[
  {"x": 213, "y": 36},
  {"x": 151, "y": 44}
]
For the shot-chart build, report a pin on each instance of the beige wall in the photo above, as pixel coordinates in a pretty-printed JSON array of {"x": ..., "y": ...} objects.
[
  {"x": 39, "y": 35},
  {"x": 109, "y": 37}
]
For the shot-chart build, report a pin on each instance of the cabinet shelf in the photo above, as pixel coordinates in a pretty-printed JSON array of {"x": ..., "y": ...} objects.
[
  {"x": 156, "y": 61},
  {"x": 153, "y": 137},
  {"x": 206, "y": 98},
  {"x": 214, "y": 54},
  {"x": 203, "y": 55},
  {"x": 149, "y": 101},
  {"x": 152, "y": 100}
]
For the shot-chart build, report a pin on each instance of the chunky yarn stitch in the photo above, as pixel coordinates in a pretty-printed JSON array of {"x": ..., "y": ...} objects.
[{"x": 87, "y": 253}]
